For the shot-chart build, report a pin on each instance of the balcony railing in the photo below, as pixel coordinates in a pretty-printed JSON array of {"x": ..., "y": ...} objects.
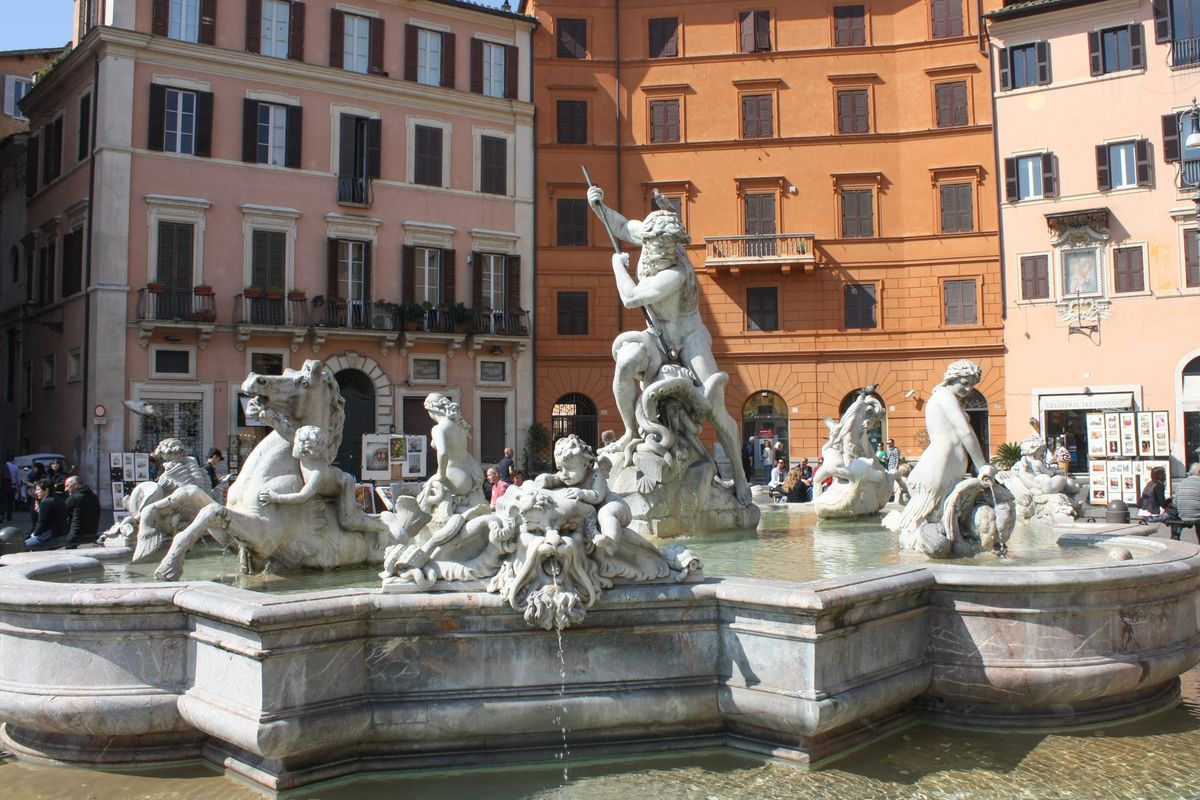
[
  {"x": 494, "y": 322},
  {"x": 271, "y": 309},
  {"x": 353, "y": 314},
  {"x": 762, "y": 248},
  {"x": 1185, "y": 52},
  {"x": 172, "y": 305},
  {"x": 355, "y": 190}
]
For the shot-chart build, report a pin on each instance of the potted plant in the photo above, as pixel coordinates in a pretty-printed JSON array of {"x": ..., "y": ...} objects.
[
  {"x": 203, "y": 290},
  {"x": 410, "y": 314},
  {"x": 274, "y": 294},
  {"x": 297, "y": 295},
  {"x": 460, "y": 315},
  {"x": 253, "y": 293},
  {"x": 156, "y": 287}
]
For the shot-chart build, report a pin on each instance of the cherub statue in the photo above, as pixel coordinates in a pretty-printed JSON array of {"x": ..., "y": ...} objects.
[{"x": 580, "y": 477}]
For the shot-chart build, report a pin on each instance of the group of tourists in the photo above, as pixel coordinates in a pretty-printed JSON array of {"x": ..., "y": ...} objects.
[
  {"x": 498, "y": 478},
  {"x": 1181, "y": 510},
  {"x": 64, "y": 510},
  {"x": 795, "y": 485}
]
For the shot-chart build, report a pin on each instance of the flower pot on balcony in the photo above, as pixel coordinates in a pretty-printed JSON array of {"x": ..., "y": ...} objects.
[
  {"x": 274, "y": 295},
  {"x": 156, "y": 287},
  {"x": 297, "y": 296},
  {"x": 203, "y": 291},
  {"x": 253, "y": 294}
]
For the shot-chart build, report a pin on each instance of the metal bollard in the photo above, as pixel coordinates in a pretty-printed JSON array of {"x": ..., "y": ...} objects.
[{"x": 1116, "y": 511}]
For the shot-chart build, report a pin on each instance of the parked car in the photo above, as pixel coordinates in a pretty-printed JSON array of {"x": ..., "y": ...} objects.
[{"x": 25, "y": 464}]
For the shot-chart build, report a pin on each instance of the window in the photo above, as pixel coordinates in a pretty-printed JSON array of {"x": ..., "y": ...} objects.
[
  {"x": 84, "y": 130},
  {"x": 1191, "y": 259},
  {"x": 1035, "y": 277},
  {"x": 1116, "y": 49},
  {"x": 1025, "y": 65},
  {"x": 47, "y": 371},
  {"x": 358, "y": 157},
  {"x": 493, "y": 281},
  {"x": 428, "y": 275},
  {"x": 572, "y": 121},
  {"x": 265, "y": 362},
  {"x": 493, "y": 371},
  {"x": 853, "y": 116},
  {"x": 427, "y": 156},
  {"x": 572, "y": 38},
  {"x": 493, "y": 165},
  {"x": 356, "y": 43},
  {"x": 179, "y": 127},
  {"x": 52, "y": 151},
  {"x": 184, "y": 20},
  {"x": 572, "y": 222},
  {"x": 960, "y": 302},
  {"x": 493, "y": 70},
  {"x": 572, "y": 313},
  {"x": 180, "y": 121},
  {"x": 429, "y": 57},
  {"x": 74, "y": 365},
  {"x": 757, "y": 116},
  {"x": 1030, "y": 177},
  {"x": 170, "y": 362},
  {"x": 947, "y": 18},
  {"x": 860, "y": 303},
  {"x": 858, "y": 213},
  {"x": 849, "y": 26},
  {"x": 754, "y": 31},
  {"x": 1123, "y": 165},
  {"x": 271, "y": 134},
  {"x": 664, "y": 120},
  {"x": 950, "y": 100},
  {"x": 274, "y": 32},
  {"x": 426, "y": 369},
  {"x": 15, "y": 88},
  {"x": 352, "y": 282},
  {"x": 759, "y": 210},
  {"x": 762, "y": 308},
  {"x": 72, "y": 262},
  {"x": 1128, "y": 274},
  {"x": 176, "y": 253},
  {"x": 957, "y": 209},
  {"x": 664, "y": 37},
  {"x": 268, "y": 260},
  {"x": 493, "y": 428},
  {"x": 46, "y": 274}
]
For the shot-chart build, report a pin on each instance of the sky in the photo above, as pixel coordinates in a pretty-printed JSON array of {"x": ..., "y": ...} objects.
[{"x": 47, "y": 23}]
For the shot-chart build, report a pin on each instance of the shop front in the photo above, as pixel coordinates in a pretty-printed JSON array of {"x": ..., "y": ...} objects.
[{"x": 1063, "y": 416}]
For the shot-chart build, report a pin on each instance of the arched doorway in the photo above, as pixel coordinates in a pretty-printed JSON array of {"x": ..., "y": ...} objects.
[
  {"x": 877, "y": 431},
  {"x": 765, "y": 419},
  {"x": 575, "y": 413},
  {"x": 1190, "y": 401},
  {"x": 359, "y": 393},
  {"x": 976, "y": 406}
]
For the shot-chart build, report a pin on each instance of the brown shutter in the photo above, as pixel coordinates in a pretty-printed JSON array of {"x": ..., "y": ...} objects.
[
  {"x": 1145, "y": 162},
  {"x": 331, "y": 270},
  {"x": 157, "y": 114},
  {"x": 969, "y": 314},
  {"x": 512, "y": 283},
  {"x": 374, "y": 147},
  {"x": 762, "y": 30},
  {"x": 477, "y": 66},
  {"x": 1191, "y": 257},
  {"x": 337, "y": 39},
  {"x": 346, "y": 132},
  {"x": 1103, "y": 179},
  {"x": 746, "y": 31},
  {"x": 476, "y": 279},
  {"x": 254, "y": 25},
  {"x": 949, "y": 208},
  {"x": 749, "y": 118},
  {"x": 1005, "y": 69},
  {"x": 449, "y": 279},
  {"x": 408, "y": 278},
  {"x": 1011, "y": 186},
  {"x": 1137, "y": 46},
  {"x": 204, "y": 116},
  {"x": 511, "y": 66},
  {"x": 1042, "y": 50},
  {"x": 375, "y": 48},
  {"x": 448, "y": 49},
  {"x": 941, "y": 102},
  {"x": 296, "y": 32},
  {"x": 1170, "y": 133},
  {"x": 1028, "y": 278},
  {"x": 410, "y": 52},
  {"x": 295, "y": 127},
  {"x": 1162, "y": 21},
  {"x": 952, "y": 302},
  {"x": 1094, "y": 52},
  {"x": 31, "y": 165},
  {"x": 672, "y": 108},
  {"x": 208, "y": 21},
  {"x": 160, "y": 17},
  {"x": 1049, "y": 175},
  {"x": 250, "y": 131}
]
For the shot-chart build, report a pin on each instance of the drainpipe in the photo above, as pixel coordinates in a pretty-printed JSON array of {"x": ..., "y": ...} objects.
[{"x": 617, "y": 123}]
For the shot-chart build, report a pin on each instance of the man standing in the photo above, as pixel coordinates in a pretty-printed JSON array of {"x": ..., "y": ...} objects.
[
  {"x": 893, "y": 456},
  {"x": 499, "y": 486},
  {"x": 748, "y": 457},
  {"x": 806, "y": 480},
  {"x": 210, "y": 466},
  {"x": 667, "y": 289},
  {"x": 83, "y": 513},
  {"x": 51, "y": 529},
  {"x": 505, "y": 467}
]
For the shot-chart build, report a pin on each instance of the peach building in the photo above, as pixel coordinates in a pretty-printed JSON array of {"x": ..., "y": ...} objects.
[
  {"x": 220, "y": 186},
  {"x": 833, "y": 163},
  {"x": 1093, "y": 109}
]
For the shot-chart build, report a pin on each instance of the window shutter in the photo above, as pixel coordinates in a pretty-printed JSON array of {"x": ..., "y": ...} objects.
[
  {"x": 1028, "y": 278},
  {"x": 476, "y": 279},
  {"x": 331, "y": 269},
  {"x": 749, "y": 117},
  {"x": 337, "y": 39},
  {"x": 375, "y": 47},
  {"x": 1042, "y": 51},
  {"x": 254, "y": 26},
  {"x": 1137, "y": 46},
  {"x": 1145, "y": 163},
  {"x": 969, "y": 315},
  {"x": 510, "y": 71},
  {"x": 766, "y": 116},
  {"x": 949, "y": 209},
  {"x": 1103, "y": 179},
  {"x": 1162, "y": 21},
  {"x": 1043, "y": 276},
  {"x": 940, "y": 12},
  {"x": 83, "y": 135},
  {"x": 31, "y": 165},
  {"x": 204, "y": 114},
  {"x": 762, "y": 30},
  {"x": 448, "y": 75},
  {"x": 941, "y": 97},
  {"x": 296, "y": 31},
  {"x": 295, "y": 128},
  {"x": 160, "y": 17},
  {"x": 1049, "y": 175},
  {"x": 411, "y": 32},
  {"x": 953, "y": 302},
  {"x": 1121, "y": 270},
  {"x": 346, "y": 131},
  {"x": 1191, "y": 255},
  {"x": 208, "y": 21},
  {"x": 1005, "y": 69},
  {"x": 477, "y": 66},
  {"x": 158, "y": 112},
  {"x": 1170, "y": 134},
  {"x": 250, "y": 131},
  {"x": 512, "y": 282},
  {"x": 746, "y": 26},
  {"x": 408, "y": 274},
  {"x": 1095, "y": 53},
  {"x": 374, "y": 147},
  {"x": 672, "y": 120},
  {"x": 753, "y": 215},
  {"x": 259, "y": 257},
  {"x": 449, "y": 279},
  {"x": 1010, "y": 180},
  {"x": 959, "y": 103},
  {"x": 966, "y": 216}
]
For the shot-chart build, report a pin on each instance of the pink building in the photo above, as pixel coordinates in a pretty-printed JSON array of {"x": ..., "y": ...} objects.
[
  {"x": 221, "y": 186},
  {"x": 1098, "y": 218}
]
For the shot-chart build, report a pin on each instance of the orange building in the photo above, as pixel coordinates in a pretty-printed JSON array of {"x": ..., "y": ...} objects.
[{"x": 834, "y": 165}]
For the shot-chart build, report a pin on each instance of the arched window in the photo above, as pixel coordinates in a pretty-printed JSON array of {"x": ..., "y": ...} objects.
[
  {"x": 765, "y": 418},
  {"x": 877, "y": 431},
  {"x": 1191, "y": 412},
  {"x": 976, "y": 406},
  {"x": 575, "y": 413},
  {"x": 359, "y": 393}
]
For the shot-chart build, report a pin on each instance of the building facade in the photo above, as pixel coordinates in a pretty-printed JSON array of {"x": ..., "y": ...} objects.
[
  {"x": 1098, "y": 214},
  {"x": 220, "y": 187},
  {"x": 834, "y": 167}
]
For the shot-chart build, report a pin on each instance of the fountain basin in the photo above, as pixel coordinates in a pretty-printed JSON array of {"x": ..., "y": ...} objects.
[{"x": 287, "y": 690}]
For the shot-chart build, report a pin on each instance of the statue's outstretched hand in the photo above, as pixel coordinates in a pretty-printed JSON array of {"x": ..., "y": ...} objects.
[
  {"x": 621, "y": 261},
  {"x": 595, "y": 196}
]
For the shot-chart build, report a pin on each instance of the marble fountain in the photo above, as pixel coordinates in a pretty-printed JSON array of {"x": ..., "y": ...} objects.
[{"x": 490, "y": 630}]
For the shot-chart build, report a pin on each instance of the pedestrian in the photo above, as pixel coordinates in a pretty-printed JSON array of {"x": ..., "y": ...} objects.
[
  {"x": 518, "y": 477},
  {"x": 1152, "y": 505},
  {"x": 57, "y": 475},
  {"x": 210, "y": 465},
  {"x": 748, "y": 457},
  {"x": 893, "y": 456},
  {"x": 777, "y": 477},
  {"x": 50, "y": 532},
  {"x": 779, "y": 450},
  {"x": 1185, "y": 504},
  {"x": 499, "y": 486},
  {"x": 10, "y": 480},
  {"x": 804, "y": 491},
  {"x": 505, "y": 467},
  {"x": 83, "y": 513}
]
